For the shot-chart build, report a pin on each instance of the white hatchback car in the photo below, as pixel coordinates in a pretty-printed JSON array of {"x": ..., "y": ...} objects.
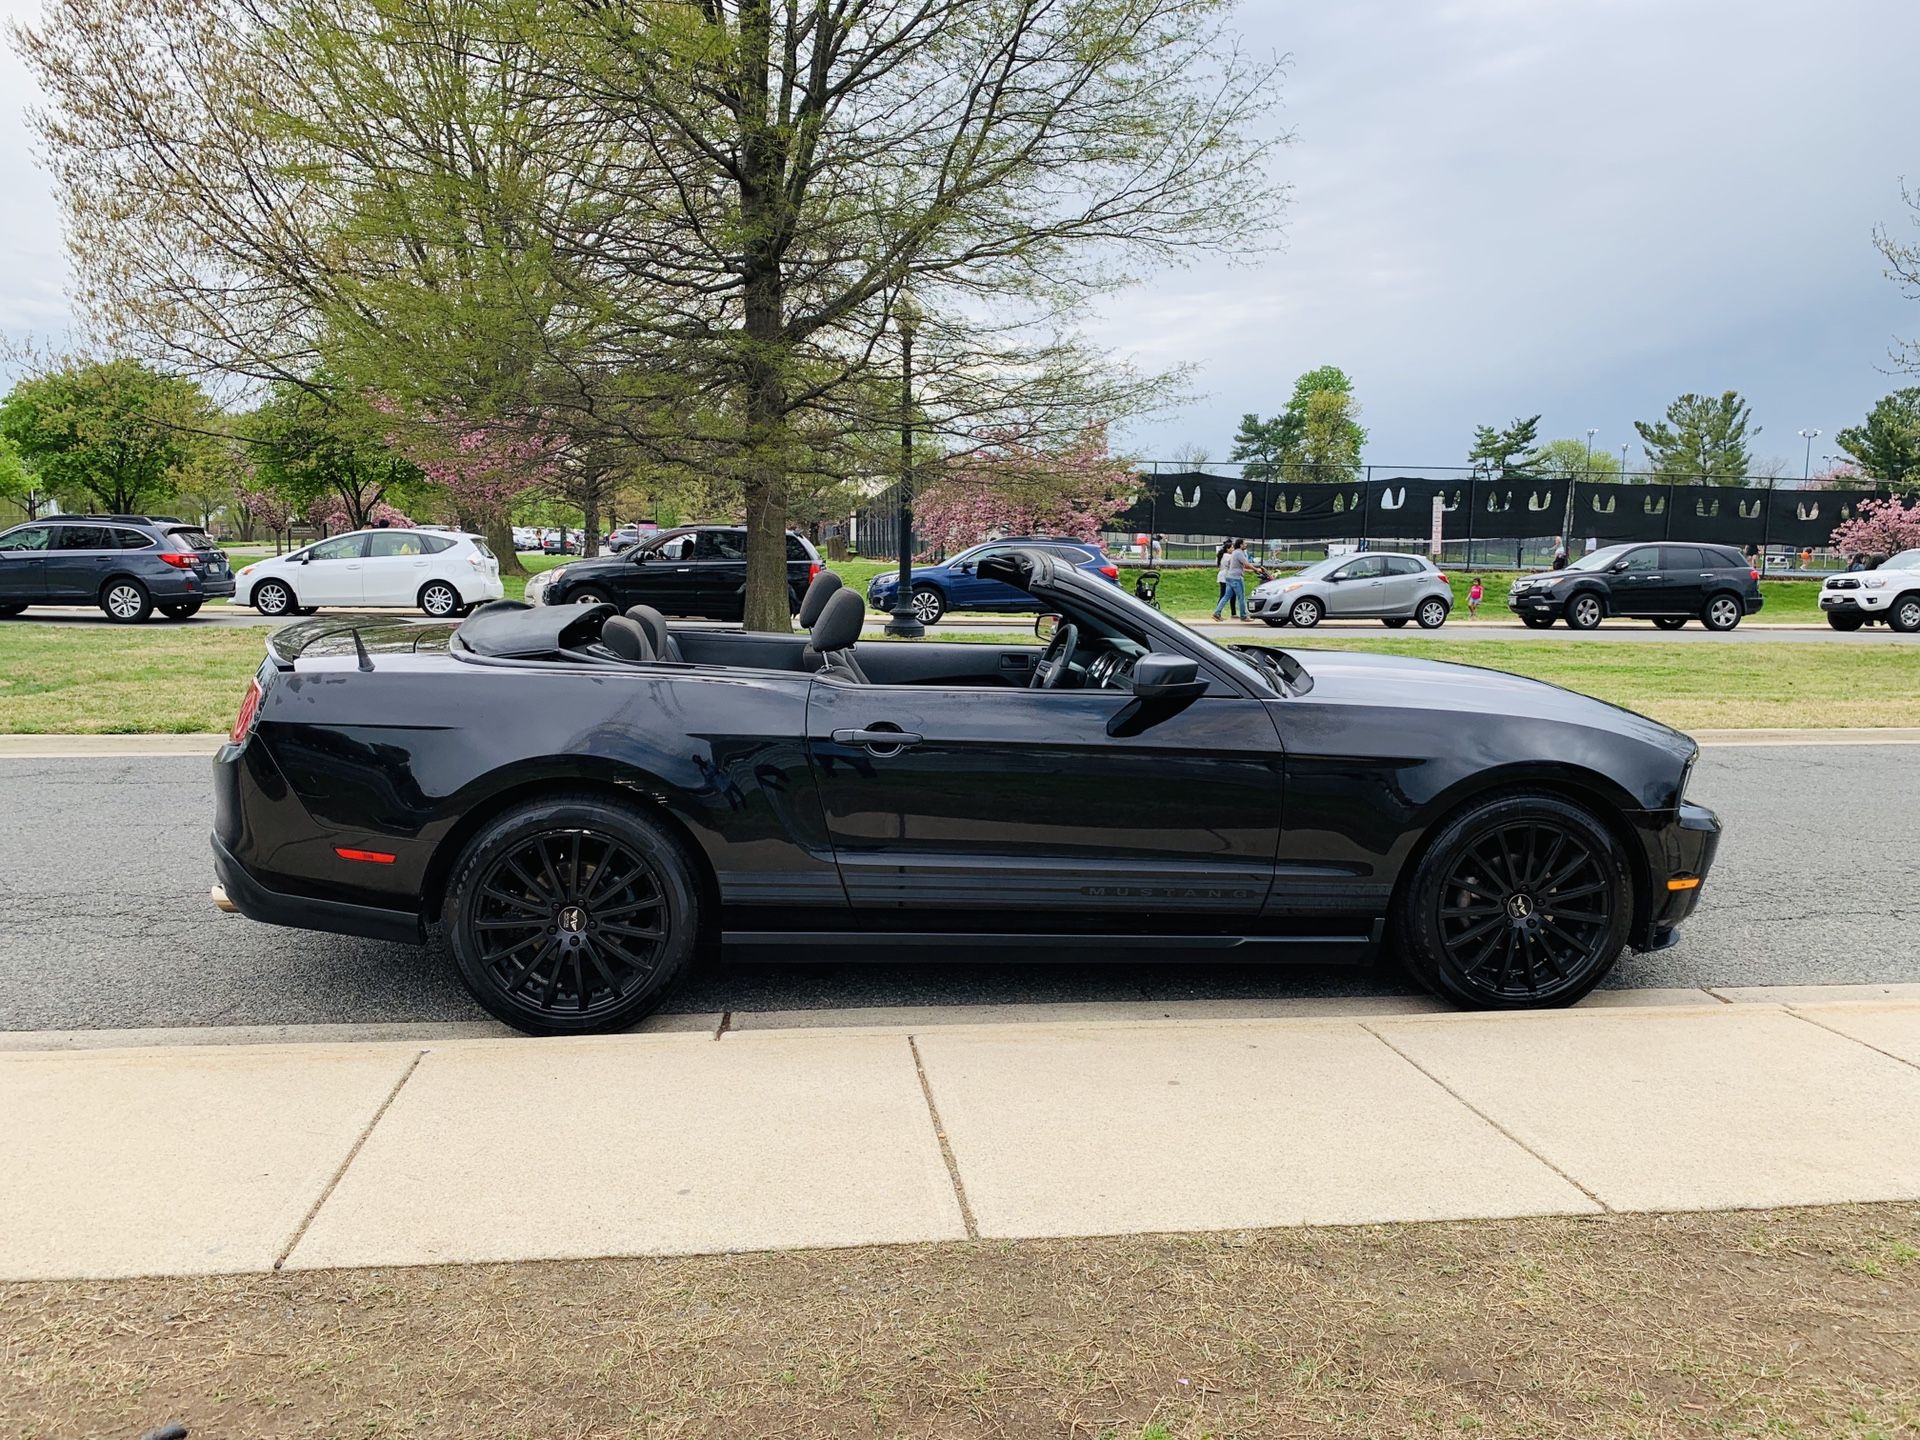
[{"x": 443, "y": 573}]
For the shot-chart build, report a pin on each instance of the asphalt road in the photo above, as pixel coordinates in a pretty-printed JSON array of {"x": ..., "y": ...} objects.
[
  {"x": 1495, "y": 623},
  {"x": 105, "y": 922}
]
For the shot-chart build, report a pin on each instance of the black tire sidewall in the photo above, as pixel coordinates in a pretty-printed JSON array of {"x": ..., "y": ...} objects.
[
  {"x": 1706, "y": 613},
  {"x": 1573, "y": 608},
  {"x": 181, "y": 612},
  {"x": 1844, "y": 622},
  {"x": 575, "y": 812},
  {"x": 1415, "y": 928}
]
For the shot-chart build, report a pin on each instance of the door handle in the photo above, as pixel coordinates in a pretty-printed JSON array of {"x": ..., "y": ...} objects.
[{"x": 878, "y": 739}]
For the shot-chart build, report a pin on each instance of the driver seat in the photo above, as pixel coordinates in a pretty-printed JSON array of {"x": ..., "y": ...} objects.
[
  {"x": 665, "y": 647},
  {"x": 834, "y": 633}
]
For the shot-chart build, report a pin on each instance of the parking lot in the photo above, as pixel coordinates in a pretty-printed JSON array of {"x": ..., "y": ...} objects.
[{"x": 107, "y": 924}]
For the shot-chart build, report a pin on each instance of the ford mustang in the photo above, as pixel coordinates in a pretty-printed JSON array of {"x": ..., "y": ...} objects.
[{"x": 582, "y": 800}]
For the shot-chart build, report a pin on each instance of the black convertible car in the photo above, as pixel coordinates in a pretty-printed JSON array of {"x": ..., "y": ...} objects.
[{"x": 584, "y": 799}]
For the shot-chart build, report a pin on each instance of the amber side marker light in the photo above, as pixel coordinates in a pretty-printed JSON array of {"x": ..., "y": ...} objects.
[
  {"x": 1684, "y": 882},
  {"x": 372, "y": 857}
]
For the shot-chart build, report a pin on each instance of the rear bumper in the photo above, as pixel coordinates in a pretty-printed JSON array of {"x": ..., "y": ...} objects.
[
  {"x": 1678, "y": 852},
  {"x": 254, "y": 900}
]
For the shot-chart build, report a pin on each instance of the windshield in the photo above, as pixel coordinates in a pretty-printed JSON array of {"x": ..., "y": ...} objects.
[
  {"x": 1905, "y": 560},
  {"x": 1254, "y": 665},
  {"x": 1600, "y": 559},
  {"x": 1320, "y": 569}
]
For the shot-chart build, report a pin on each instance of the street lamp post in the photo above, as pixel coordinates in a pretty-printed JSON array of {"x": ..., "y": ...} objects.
[
  {"x": 1806, "y": 464},
  {"x": 905, "y": 624}
]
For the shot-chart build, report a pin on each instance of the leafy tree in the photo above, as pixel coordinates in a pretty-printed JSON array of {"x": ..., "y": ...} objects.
[
  {"x": 326, "y": 453},
  {"x": 1262, "y": 445},
  {"x": 1887, "y": 446},
  {"x": 260, "y": 507},
  {"x": 1011, "y": 486},
  {"x": 19, "y": 482},
  {"x": 1703, "y": 440},
  {"x": 1324, "y": 434},
  {"x": 115, "y": 432},
  {"x": 1330, "y": 436},
  {"x": 1574, "y": 459},
  {"x": 1882, "y": 527},
  {"x": 1515, "y": 448}
]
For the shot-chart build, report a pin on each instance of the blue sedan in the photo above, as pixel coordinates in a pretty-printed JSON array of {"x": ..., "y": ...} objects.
[{"x": 955, "y": 584}]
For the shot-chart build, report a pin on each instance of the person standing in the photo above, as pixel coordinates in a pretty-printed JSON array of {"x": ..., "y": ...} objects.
[
  {"x": 1475, "y": 595},
  {"x": 1233, "y": 581},
  {"x": 1559, "y": 552}
]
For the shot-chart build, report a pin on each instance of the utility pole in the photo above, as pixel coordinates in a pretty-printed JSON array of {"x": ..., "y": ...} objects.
[{"x": 1806, "y": 464}]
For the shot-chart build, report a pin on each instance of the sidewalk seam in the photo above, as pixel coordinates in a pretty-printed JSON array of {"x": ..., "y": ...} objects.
[
  {"x": 1867, "y": 1044},
  {"x": 340, "y": 1173},
  {"x": 726, "y": 1024},
  {"x": 946, "y": 1148},
  {"x": 1723, "y": 999},
  {"x": 1604, "y": 1206}
]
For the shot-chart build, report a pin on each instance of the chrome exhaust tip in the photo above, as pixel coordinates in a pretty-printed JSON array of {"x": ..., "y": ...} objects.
[{"x": 221, "y": 902}]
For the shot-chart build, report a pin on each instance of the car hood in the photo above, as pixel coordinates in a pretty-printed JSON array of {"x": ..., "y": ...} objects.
[{"x": 1358, "y": 678}]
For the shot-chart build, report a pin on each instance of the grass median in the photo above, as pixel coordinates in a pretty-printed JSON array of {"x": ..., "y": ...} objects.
[
  {"x": 1783, "y": 1323},
  {"x": 158, "y": 679}
]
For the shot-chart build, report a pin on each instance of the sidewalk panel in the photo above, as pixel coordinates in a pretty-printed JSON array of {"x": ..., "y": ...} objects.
[
  {"x": 1892, "y": 1028},
  {"x": 642, "y": 1145},
  {"x": 1107, "y": 1131},
  {"x": 1737, "y": 1106},
  {"x": 180, "y": 1161}
]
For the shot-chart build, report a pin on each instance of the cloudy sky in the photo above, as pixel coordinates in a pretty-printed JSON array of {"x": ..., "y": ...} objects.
[{"x": 1576, "y": 207}]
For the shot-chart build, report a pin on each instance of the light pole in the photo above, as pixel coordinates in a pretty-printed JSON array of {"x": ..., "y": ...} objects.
[
  {"x": 1806, "y": 465},
  {"x": 1592, "y": 430},
  {"x": 905, "y": 624},
  {"x": 1623, "y": 458}
]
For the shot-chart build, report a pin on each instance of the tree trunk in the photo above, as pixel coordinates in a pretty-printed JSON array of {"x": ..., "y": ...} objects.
[
  {"x": 499, "y": 533},
  {"x": 590, "y": 513}
]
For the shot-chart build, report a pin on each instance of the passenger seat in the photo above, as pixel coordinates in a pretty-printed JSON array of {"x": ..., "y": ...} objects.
[{"x": 665, "y": 647}]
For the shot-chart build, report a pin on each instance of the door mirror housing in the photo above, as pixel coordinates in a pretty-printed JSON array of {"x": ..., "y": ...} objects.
[
  {"x": 1045, "y": 627},
  {"x": 1620, "y": 567},
  {"x": 1167, "y": 677}
]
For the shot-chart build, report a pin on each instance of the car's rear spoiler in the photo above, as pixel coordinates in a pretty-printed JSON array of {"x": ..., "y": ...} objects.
[{"x": 346, "y": 635}]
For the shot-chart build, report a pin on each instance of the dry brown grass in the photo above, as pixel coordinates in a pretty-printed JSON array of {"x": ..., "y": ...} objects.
[{"x": 1798, "y": 1323}]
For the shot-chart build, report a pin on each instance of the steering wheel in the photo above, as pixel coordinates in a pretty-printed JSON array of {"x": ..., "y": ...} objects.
[{"x": 1055, "y": 658}]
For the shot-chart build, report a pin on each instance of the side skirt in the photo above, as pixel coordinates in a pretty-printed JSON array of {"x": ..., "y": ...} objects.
[{"x": 872, "y": 947}]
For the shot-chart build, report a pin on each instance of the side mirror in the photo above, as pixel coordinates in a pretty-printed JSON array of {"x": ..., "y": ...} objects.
[
  {"x": 965, "y": 567},
  {"x": 306, "y": 558},
  {"x": 1045, "y": 627},
  {"x": 1619, "y": 567},
  {"x": 1167, "y": 677}
]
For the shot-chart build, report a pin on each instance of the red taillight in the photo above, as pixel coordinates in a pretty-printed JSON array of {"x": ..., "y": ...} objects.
[
  {"x": 1112, "y": 572},
  {"x": 181, "y": 562},
  {"x": 1754, "y": 573},
  {"x": 371, "y": 857},
  {"x": 1443, "y": 578},
  {"x": 249, "y": 712},
  {"x": 813, "y": 572}
]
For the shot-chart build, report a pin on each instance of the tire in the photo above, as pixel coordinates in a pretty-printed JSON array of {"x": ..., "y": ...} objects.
[
  {"x": 1721, "y": 612},
  {"x": 126, "y": 602},
  {"x": 1669, "y": 622},
  {"x": 589, "y": 597},
  {"x": 1433, "y": 613},
  {"x": 1840, "y": 621},
  {"x": 180, "y": 610},
  {"x": 1904, "y": 614},
  {"x": 1306, "y": 612},
  {"x": 438, "y": 600},
  {"x": 7, "y": 612},
  {"x": 273, "y": 597},
  {"x": 1584, "y": 612},
  {"x": 1276, "y": 623},
  {"x": 521, "y": 879},
  {"x": 928, "y": 605},
  {"x": 1537, "y": 622},
  {"x": 1472, "y": 923},
  {"x": 1399, "y": 623}
]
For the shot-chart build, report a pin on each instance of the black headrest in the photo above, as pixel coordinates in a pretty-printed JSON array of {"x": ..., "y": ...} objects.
[
  {"x": 653, "y": 622},
  {"x": 818, "y": 593},
  {"x": 839, "y": 623},
  {"x": 626, "y": 639}
]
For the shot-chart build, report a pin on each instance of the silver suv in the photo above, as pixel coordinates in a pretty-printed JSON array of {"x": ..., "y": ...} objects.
[{"x": 1390, "y": 588}]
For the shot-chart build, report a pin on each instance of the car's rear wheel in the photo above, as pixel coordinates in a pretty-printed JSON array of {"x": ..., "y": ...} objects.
[
  {"x": 1669, "y": 622},
  {"x": 1536, "y": 622},
  {"x": 439, "y": 599},
  {"x": 271, "y": 597},
  {"x": 1398, "y": 623},
  {"x": 1722, "y": 612},
  {"x": 1432, "y": 614},
  {"x": 1584, "y": 612},
  {"x": 1841, "y": 621},
  {"x": 928, "y": 607},
  {"x": 1306, "y": 612},
  {"x": 126, "y": 602},
  {"x": 1904, "y": 614},
  {"x": 1276, "y": 621},
  {"x": 571, "y": 915},
  {"x": 1519, "y": 901}
]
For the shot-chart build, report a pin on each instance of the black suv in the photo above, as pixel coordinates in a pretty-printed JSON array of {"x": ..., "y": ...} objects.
[
  {"x": 1668, "y": 584},
  {"x": 128, "y": 565},
  {"x": 694, "y": 570}
]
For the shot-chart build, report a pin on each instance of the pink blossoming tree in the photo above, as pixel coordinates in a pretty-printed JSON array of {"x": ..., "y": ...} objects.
[
  {"x": 1010, "y": 486},
  {"x": 483, "y": 469},
  {"x": 1883, "y": 527},
  {"x": 263, "y": 507}
]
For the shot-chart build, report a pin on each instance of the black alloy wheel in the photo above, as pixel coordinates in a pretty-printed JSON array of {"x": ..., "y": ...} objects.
[
  {"x": 1669, "y": 622},
  {"x": 1722, "y": 612},
  {"x": 272, "y": 597},
  {"x": 1584, "y": 612},
  {"x": 571, "y": 916},
  {"x": 1520, "y": 902}
]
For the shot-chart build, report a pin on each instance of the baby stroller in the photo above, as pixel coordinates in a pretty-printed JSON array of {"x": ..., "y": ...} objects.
[{"x": 1146, "y": 586}]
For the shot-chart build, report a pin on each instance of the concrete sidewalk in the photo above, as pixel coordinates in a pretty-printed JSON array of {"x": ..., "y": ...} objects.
[{"x": 211, "y": 1159}]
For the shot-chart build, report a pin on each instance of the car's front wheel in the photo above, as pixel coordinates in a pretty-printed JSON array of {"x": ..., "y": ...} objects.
[
  {"x": 180, "y": 609},
  {"x": 1584, "y": 612},
  {"x": 1520, "y": 901},
  {"x": 928, "y": 607},
  {"x": 7, "y": 612},
  {"x": 590, "y": 597},
  {"x": 571, "y": 915},
  {"x": 439, "y": 599},
  {"x": 1840, "y": 621},
  {"x": 1669, "y": 622},
  {"x": 1306, "y": 612},
  {"x": 1722, "y": 612},
  {"x": 1537, "y": 622},
  {"x": 1432, "y": 614},
  {"x": 1397, "y": 623},
  {"x": 126, "y": 602},
  {"x": 271, "y": 597}
]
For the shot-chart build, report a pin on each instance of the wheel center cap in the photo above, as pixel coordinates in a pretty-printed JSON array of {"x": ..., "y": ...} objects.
[
  {"x": 573, "y": 917},
  {"x": 1519, "y": 907}
]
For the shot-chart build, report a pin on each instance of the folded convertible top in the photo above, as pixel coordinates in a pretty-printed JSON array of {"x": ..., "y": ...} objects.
[{"x": 508, "y": 629}]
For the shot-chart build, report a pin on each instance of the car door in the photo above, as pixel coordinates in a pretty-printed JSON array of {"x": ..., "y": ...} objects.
[
  {"x": 23, "y": 557},
  {"x": 663, "y": 575},
  {"x": 1020, "y": 800},
  {"x": 77, "y": 561},
  {"x": 1634, "y": 583},
  {"x": 720, "y": 574},
  {"x": 1683, "y": 580},
  {"x": 332, "y": 572},
  {"x": 1354, "y": 589},
  {"x": 398, "y": 563},
  {"x": 1401, "y": 586}
]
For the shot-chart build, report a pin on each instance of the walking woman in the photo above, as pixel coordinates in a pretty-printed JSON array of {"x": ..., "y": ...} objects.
[{"x": 1233, "y": 581}]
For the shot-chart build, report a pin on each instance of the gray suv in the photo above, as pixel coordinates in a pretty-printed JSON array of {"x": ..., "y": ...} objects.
[
  {"x": 128, "y": 565},
  {"x": 1390, "y": 588}
]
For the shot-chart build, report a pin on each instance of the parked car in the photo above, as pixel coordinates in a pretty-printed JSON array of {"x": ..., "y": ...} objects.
[
  {"x": 628, "y": 536},
  {"x": 1389, "y": 588},
  {"x": 956, "y": 584},
  {"x": 561, "y": 542},
  {"x": 1668, "y": 584},
  {"x": 579, "y": 818},
  {"x": 692, "y": 570},
  {"x": 128, "y": 565},
  {"x": 1889, "y": 592},
  {"x": 368, "y": 569},
  {"x": 525, "y": 539}
]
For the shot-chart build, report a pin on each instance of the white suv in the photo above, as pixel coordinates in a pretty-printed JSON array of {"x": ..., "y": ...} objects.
[
  {"x": 1890, "y": 592},
  {"x": 442, "y": 573}
]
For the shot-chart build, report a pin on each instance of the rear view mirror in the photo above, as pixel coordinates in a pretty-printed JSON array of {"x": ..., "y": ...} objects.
[{"x": 1167, "y": 677}]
